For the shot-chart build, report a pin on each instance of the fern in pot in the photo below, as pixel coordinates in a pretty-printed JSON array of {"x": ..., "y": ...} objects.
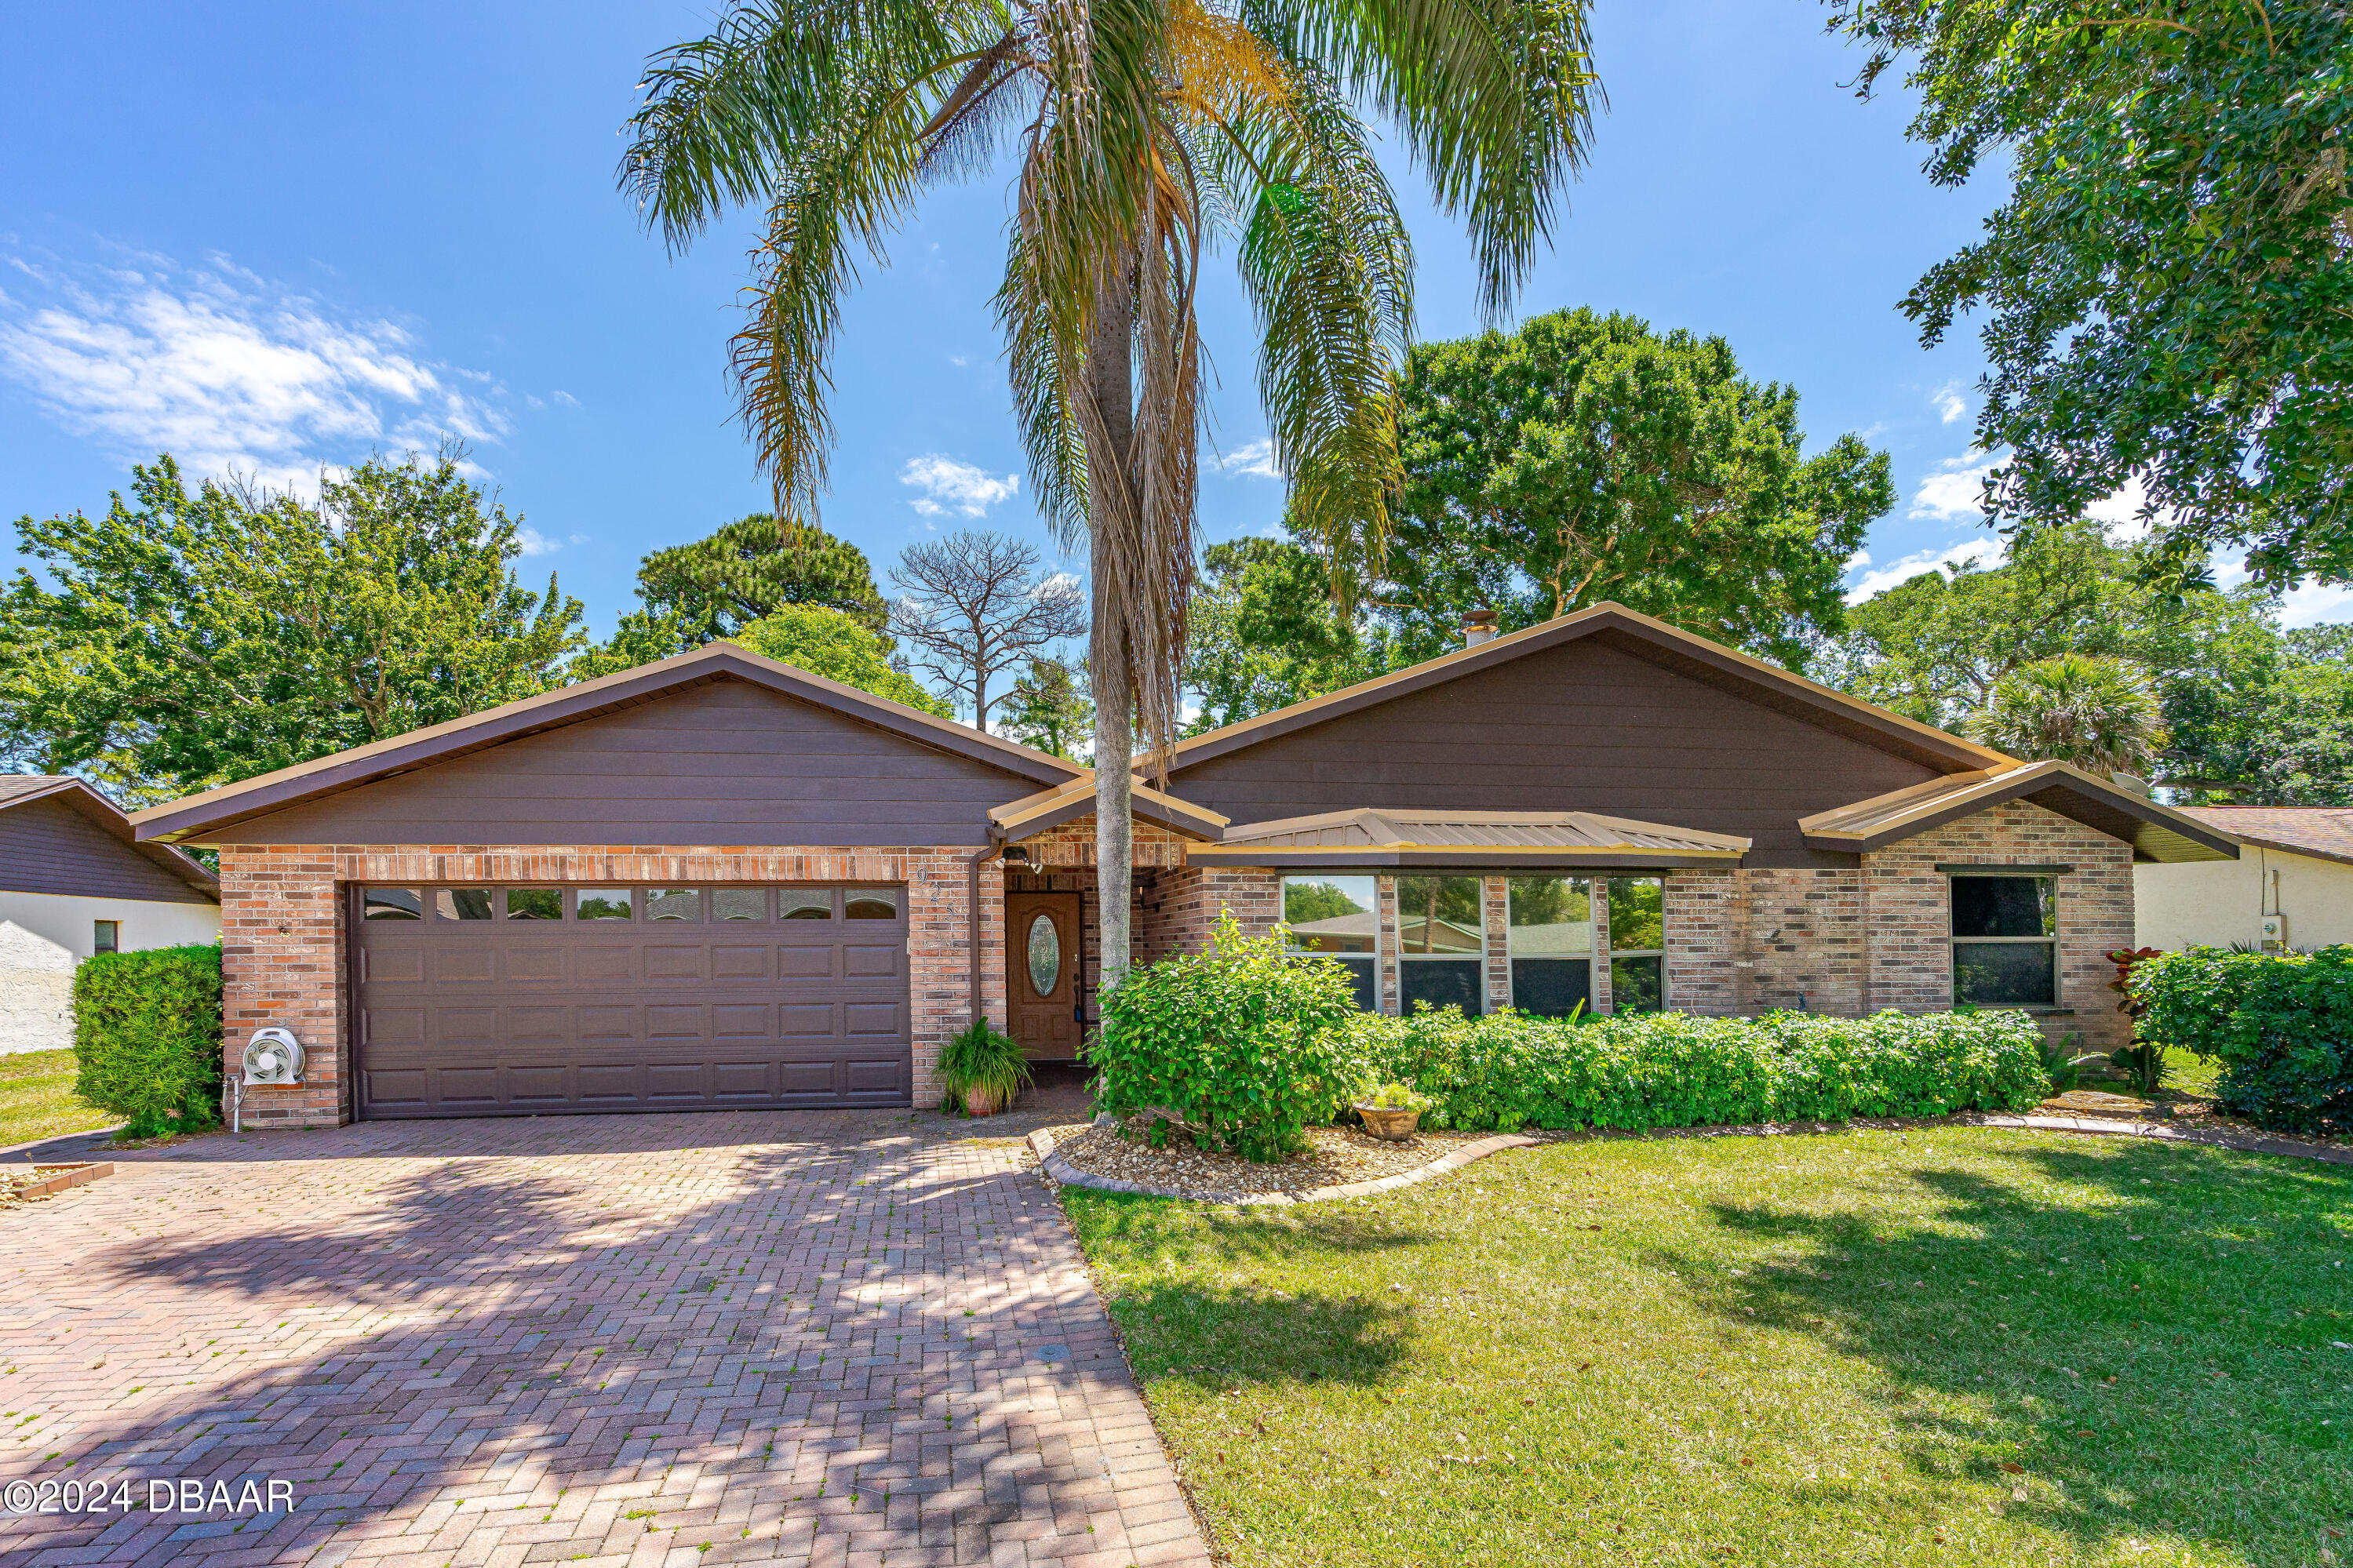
[{"x": 982, "y": 1070}]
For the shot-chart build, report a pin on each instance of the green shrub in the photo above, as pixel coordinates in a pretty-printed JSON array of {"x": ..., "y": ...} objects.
[
  {"x": 2281, "y": 1024},
  {"x": 1248, "y": 1043},
  {"x": 1671, "y": 1069},
  {"x": 983, "y": 1059},
  {"x": 147, "y": 1035}
]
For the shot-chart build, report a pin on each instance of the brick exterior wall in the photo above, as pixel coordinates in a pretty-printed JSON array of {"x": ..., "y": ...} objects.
[
  {"x": 1181, "y": 906},
  {"x": 284, "y": 954},
  {"x": 1805, "y": 941},
  {"x": 1705, "y": 921},
  {"x": 1849, "y": 940},
  {"x": 1909, "y": 916}
]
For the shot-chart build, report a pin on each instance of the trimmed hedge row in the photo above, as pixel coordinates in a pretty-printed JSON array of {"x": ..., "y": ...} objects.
[
  {"x": 1251, "y": 1046},
  {"x": 147, "y": 1038},
  {"x": 1673, "y": 1069},
  {"x": 2281, "y": 1023}
]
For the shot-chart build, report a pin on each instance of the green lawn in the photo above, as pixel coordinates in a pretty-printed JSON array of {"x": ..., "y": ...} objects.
[
  {"x": 37, "y": 1100},
  {"x": 1799, "y": 1349}
]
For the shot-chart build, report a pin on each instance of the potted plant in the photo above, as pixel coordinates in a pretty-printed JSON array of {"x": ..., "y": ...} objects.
[
  {"x": 1392, "y": 1111},
  {"x": 982, "y": 1070}
]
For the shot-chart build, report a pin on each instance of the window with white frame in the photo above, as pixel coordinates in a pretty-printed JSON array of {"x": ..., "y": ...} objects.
[
  {"x": 1638, "y": 944},
  {"x": 1548, "y": 935},
  {"x": 2005, "y": 940},
  {"x": 1441, "y": 941},
  {"x": 1340, "y": 918}
]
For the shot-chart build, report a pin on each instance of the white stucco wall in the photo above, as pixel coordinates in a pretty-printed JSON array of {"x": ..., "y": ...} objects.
[
  {"x": 44, "y": 935},
  {"x": 2217, "y": 902}
]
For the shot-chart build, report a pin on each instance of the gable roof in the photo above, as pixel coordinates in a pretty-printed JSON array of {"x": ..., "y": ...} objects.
[
  {"x": 2322, "y": 832},
  {"x": 2157, "y": 832},
  {"x": 568, "y": 705},
  {"x": 1467, "y": 838},
  {"x": 23, "y": 789},
  {"x": 1724, "y": 668},
  {"x": 1049, "y": 809}
]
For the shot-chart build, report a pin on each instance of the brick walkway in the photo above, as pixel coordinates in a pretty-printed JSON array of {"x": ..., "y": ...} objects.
[{"x": 851, "y": 1338}]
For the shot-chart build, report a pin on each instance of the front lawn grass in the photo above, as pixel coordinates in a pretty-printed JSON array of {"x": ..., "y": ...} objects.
[
  {"x": 1957, "y": 1345},
  {"x": 37, "y": 1100}
]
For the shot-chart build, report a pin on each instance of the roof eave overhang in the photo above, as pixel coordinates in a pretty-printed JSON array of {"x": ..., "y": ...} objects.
[
  {"x": 1026, "y": 818},
  {"x": 2158, "y": 834},
  {"x": 1932, "y": 746},
  {"x": 180, "y": 820},
  {"x": 1377, "y": 857}
]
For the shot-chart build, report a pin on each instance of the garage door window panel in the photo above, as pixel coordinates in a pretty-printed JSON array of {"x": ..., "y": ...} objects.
[
  {"x": 739, "y": 903},
  {"x": 801, "y": 904},
  {"x": 462, "y": 903},
  {"x": 673, "y": 904},
  {"x": 602, "y": 904},
  {"x": 535, "y": 904},
  {"x": 392, "y": 904}
]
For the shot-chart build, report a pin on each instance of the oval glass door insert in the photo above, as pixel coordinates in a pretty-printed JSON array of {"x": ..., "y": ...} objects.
[{"x": 1045, "y": 955}]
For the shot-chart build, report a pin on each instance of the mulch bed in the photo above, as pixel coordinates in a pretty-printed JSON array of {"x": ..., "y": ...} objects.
[{"x": 1335, "y": 1157}]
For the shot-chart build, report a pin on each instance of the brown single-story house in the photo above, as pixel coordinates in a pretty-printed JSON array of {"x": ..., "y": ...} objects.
[{"x": 721, "y": 881}]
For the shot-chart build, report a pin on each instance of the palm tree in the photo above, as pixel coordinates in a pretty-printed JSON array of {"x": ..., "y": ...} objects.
[
  {"x": 2094, "y": 712},
  {"x": 1146, "y": 131}
]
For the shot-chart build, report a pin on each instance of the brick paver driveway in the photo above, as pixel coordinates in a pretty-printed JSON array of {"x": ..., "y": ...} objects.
[{"x": 847, "y": 1338}]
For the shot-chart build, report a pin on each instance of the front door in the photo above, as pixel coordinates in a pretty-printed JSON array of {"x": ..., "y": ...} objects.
[{"x": 1041, "y": 931}]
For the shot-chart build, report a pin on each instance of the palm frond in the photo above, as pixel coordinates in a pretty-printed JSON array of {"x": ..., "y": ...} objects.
[{"x": 1495, "y": 98}]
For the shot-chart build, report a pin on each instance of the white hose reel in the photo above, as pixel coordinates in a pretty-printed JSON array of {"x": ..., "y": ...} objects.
[{"x": 272, "y": 1057}]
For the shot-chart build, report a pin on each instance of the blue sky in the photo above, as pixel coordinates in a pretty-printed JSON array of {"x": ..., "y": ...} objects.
[{"x": 270, "y": 236}]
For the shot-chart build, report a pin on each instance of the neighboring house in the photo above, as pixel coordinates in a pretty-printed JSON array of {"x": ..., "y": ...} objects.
[
  {"x": 2291, "y": 887},
  {"x": 721, "y": 882},
  {"x": 74, "y": 880}
]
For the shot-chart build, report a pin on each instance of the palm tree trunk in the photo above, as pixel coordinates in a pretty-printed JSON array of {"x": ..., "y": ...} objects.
[{"x": 1110, "y": 364}]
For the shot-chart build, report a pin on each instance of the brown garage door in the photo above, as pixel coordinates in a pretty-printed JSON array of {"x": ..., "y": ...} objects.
[{"x": 518, "y": 1000}]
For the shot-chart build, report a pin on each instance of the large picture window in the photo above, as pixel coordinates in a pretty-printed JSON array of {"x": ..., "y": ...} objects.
[
  {"x": 2005, "y": 941},
  {"x": 1340, "y": 918},
  {"x": 1441, "y": 928},
  {"x": 1550, "y": 940},
  {"x": 1638, "y": 944}
]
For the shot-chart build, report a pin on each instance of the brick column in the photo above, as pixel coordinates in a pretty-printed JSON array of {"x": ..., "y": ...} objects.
[
  {"x": 283, "y": 962},
  {"x": 1703, "y": 933},
  {"x": 1385, "y": 896},
  {"x": 1497, "y": 902}
]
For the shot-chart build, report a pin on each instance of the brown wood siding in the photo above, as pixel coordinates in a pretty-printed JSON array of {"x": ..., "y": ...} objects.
[
  {"x": 1583, "y": 727},
  {"x": 720, "y": 763},
  {"x": 47, "y": 846}
]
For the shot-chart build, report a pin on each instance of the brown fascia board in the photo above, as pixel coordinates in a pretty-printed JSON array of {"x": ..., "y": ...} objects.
[
  {"x": 110, "y": 817},
  {"x": 1725, "y": 667},
  {"x": 551, "y": 709},
  {"x": 1042, "y": 813},
  {"x": 1373, "y": 856},
  {"x": 2157, "y": 834}
]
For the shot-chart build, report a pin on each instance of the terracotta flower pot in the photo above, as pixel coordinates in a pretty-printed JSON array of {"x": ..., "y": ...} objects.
[
  {"x": 978, "y": 1102},
  {"x": 1390, "y": 1121}
]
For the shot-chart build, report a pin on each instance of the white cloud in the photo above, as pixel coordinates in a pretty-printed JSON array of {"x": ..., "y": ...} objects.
[
  {"x": 226, "y": 372},
  {"x": 1949, "y": 403},
  {"x": 1984, "y": 552},
  {"x": 1953, "y": 490},
  {"x": 946, "y": 484},
  {"x": 534, "y": 542},
  {"x": 1256, "y": 460},
  {"x": 565, "y": 398},
  {"x": 2316, "y": 603}
]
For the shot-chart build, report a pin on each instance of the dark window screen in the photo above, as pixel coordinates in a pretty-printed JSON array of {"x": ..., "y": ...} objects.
[
  {"x": 1552, "y": 987},
  {"x": 1442, "y": 982},
  {"x": 2003, "y": 906}
]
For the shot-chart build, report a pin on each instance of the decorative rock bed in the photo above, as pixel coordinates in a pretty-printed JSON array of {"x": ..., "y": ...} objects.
[{"x": 1340, "y": 1163}]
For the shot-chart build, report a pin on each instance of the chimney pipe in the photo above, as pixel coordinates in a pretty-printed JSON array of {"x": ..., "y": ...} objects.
[{"x": 1478, "y": 626}]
